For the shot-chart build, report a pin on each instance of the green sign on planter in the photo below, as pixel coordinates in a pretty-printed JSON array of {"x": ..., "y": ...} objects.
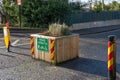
[{"x": 42, "y": 44}]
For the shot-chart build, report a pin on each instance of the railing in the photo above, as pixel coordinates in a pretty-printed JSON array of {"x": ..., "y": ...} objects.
[{"x": 81, "y": 17}]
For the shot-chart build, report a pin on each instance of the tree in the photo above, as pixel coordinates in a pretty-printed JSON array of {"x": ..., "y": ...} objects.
[
  {"x": 9, "y": 10},
  {"x": 2, "y": 12},
  {"x": 98, "y": 6},
  {"x": 114, "y": 6},
  {"x": 44, "y": 12}
]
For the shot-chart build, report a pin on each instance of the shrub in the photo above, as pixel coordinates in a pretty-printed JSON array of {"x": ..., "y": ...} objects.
[
  {"x": 57, "y": 29},
  {"x": 45, "y": 12}
]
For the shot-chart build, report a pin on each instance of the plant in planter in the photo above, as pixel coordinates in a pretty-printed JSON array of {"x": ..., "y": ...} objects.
[
  {"x": 56, "y": 45},
  {"x": 58, "y": 30}
]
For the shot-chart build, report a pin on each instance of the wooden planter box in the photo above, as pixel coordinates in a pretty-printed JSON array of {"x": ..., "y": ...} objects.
[{"x": 54, "y": 49}]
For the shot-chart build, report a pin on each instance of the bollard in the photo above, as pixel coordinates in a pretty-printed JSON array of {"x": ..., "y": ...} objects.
[
  {"x": 7, "y": 25},
  {"x": 111, "y": 58},
  {"x": 7, "y": 38}
]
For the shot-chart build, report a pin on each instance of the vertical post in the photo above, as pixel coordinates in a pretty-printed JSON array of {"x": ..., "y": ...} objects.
[
  {"x": 19, "y": 4},
  {"x": 7, "y": 38},
  {"x": 20, "y": 15},
  {"x": 8, "y": 49},
  {"x": 111, "y": 58}
]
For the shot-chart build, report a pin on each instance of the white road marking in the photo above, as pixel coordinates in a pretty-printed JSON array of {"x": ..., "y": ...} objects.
[
  {"x": 15, "y": 42},
  {"x": 118, "y": 74},
  {"x": 2, "y": 47}
]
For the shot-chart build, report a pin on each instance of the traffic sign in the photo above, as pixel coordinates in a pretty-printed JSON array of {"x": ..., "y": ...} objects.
[{"x": 42, "y": 44}]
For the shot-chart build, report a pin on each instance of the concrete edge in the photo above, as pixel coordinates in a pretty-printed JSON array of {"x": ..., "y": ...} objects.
[
  {"x": 96, "y": 29},
  {"x": 18, "y": 30},
  {"x": 93, "y": 24}
]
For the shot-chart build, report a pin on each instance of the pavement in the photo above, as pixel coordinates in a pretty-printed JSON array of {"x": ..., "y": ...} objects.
[
  {"x": 95, "y": 30},
  {"x": 94, "y": 48},
  {"x": 18, "y": 65},
  {"x": 91, "y": 65}
]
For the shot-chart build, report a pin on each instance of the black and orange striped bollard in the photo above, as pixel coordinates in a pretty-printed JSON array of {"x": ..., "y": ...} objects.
[{"x": 111, "y": 58}]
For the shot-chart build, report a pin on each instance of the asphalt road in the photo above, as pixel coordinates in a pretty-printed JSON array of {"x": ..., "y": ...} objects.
[{"x": 91, "y": 64}]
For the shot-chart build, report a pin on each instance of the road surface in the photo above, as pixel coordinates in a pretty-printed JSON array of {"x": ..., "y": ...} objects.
[{"x": 91, "y": 64}]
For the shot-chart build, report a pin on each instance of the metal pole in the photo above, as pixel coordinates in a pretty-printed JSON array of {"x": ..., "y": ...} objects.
[
  {"x": 8, "y": 49},
  {"x": 111, "y": 58},
  {"x": 20, "y": 15}
]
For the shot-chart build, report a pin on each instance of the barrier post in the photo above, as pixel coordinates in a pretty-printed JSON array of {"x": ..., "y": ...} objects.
[
  {"x": 7, "y": 25},
  {"x": 111, "y": 58},
  {"x": 7, "y": 38}
]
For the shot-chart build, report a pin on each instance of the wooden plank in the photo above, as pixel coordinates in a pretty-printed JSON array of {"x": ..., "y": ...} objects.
[
  {"x": 47, "y": 57},
  {"x": 60, "y": 49},
  {"x": 47, "y": 54},
  {"x": 66, "y": 48},
  {"x": 36, "y": 51},
  {"x": 70, "y": 48},
  {"x": 73, "y": 47},
  {"x": 39, "y": 54},
  {"x": 76, "y": 46}
]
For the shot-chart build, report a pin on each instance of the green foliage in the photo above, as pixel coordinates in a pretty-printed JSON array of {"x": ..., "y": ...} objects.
[
  {"x": 10, "y": 10},
  {"x": 44, "y": 12},
  {"x": 98, "y": 6},
  {"x": 77, "y": 6},
  {"x": 2, "y": 25},
  {"x": 57, "y": 29},
  {"x": 113, "y": 6},
  {"x": 65, "y": 29}
]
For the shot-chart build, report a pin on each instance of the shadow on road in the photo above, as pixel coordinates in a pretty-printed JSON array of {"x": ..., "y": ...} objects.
[
  {"x": 87, "y": 65},
  {"x": 20, "y": 53},
  {"x": 7, "y": 55},
  {"x": 21, "y": 47},
  {"x": 90, "y": 66}
]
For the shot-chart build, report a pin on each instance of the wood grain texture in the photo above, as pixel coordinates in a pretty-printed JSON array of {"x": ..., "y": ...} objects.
[{"x": 65, "y": 48}]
